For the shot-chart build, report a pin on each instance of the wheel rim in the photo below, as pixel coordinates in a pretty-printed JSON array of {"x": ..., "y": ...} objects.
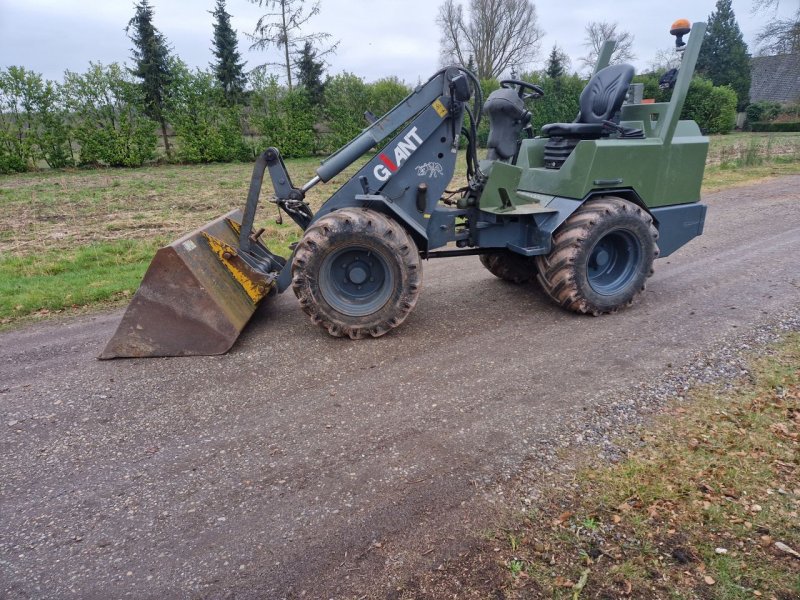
[
  {"x": 613, "y": 262},
  {"x": 356, "y": 281}
]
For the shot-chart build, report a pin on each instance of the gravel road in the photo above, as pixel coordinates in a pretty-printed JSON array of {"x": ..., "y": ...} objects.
[{"x": 299, "y": 465}]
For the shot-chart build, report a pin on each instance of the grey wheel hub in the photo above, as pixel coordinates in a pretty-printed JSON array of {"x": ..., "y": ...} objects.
[
  {"x": 614, "y": 262},
  {"x": 356, "y": 281}
]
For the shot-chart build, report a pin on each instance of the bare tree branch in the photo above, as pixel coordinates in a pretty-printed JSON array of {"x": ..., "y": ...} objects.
[
  {"x": 780, "y": 36},
  {"x": 597, "y": 32},
  {"x": 497, "y": 34},
  {"x": 761, "y": 5},
  {"x": 664, "y": 60}
]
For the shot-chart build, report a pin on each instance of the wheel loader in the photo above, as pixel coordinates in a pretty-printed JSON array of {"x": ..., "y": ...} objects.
[{"x": 584, "y": 208}]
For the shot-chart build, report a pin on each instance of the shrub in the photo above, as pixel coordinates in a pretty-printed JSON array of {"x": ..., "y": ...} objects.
[
  {"x": 763, "y": 111},
  {"x": 54, "y": 131},
  {"x": 561, "y": 100},
  {"x": 385, "y": 93},
  {"x": 111, "y": 129},
  {"x": 651, "y": 89},
  {"x": 347, "y": 98},
  {"x": 33, "y": 122},
  {"x": 284, "y": 118},
  {"x": 790, "y": 112},
  {"x": 208, "y": 129},
  {"x": 713, "y": 107}
]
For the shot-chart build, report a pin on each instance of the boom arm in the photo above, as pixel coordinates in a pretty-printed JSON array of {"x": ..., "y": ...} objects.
[
  {"x": 443, "y": 83},
  {"x": 447, "y": 82}
]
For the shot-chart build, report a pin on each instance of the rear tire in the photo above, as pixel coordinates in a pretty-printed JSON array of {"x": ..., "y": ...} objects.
[
  {"x": 356, "y": 273},
  {"x": 510, "y": 266},
  {"x": 601, "y": 258}
]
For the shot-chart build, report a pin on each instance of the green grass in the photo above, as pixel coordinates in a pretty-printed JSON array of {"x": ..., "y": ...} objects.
[
  {"x": 741, "y": 158},
  {"x": 59, "y": 279},
  {"x": 118, "y": 215}
]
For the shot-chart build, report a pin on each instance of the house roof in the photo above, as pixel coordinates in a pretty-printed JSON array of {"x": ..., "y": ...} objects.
[{"x": 775, "y": 78}]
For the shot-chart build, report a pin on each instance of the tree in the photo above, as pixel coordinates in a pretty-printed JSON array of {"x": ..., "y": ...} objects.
[
  {"x": 724, "y": 58},
  {"x": 281, "y": 27},
  {"x": 283, "y": 117},
  {"x": 664, "y": 60},
  {"x": 207, "y": 126},
  {"x": 494, "y": 33},
  {"x": 18, "y": 87},
  {"x": 780, "y": 36},
  {"x": 151, "y": 56},
  {"x": 111, "y": 128},
  {"x": 597, "y": 32},
  {"x": 309, "y": 73},
  {"x": 34, "y": 123},
  {"x": 385, "y": 94},
  {"x": 229, "y": 67},
  {"x": 347, "y": 97},
  {"x": 557, "y": 63},
  {"x": 759, "y": 5},
  {"x": 470, "y": 66}
]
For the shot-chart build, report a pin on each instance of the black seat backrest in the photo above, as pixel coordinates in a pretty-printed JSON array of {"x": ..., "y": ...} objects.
[{"x": 603, "y": 96}]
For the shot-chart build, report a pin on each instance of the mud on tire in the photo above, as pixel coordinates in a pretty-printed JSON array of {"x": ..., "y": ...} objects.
[
  {"x": 357, "y": 273},
  {"x": 510, "y": 266},
  {"x": 602, "y": 256}
]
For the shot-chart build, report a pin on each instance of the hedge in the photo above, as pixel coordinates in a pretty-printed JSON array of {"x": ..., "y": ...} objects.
[{"x": 776, "y": 127}]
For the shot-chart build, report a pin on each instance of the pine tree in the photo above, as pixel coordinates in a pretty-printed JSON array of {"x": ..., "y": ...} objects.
[
  {"x": 309, "y": 73},
  {"x": 229, "y": 67},
  {"x": 150, "y": 54},
  {"x": 470, "y": 66},
  {"x": 555, "y": 65},
  {"x": 724, "y": 58}
]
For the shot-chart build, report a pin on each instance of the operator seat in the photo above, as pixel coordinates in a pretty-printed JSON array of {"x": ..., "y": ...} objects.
[{"x": 600, "y": 101}]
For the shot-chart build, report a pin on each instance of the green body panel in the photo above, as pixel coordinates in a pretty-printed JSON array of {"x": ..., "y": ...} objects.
[
  {"x": 665, "y": 168},
  {"x": 503, "y": 194},
  {"x": 660, "y": 174}
]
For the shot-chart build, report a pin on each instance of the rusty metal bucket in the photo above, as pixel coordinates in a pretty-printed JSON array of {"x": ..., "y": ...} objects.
[{"x": 196, "y": 296}]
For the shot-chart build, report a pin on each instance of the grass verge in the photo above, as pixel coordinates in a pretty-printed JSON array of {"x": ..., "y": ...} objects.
[
  {"x": 55, "y": 280},
  {"x": 706, "y": 506}
]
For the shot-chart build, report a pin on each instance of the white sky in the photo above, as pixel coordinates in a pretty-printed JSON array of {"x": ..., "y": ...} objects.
[{"x": 378, "y": 39}]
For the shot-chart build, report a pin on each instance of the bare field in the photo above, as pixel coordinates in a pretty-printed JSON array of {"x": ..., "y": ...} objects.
[{"x": 65, "y": 209}]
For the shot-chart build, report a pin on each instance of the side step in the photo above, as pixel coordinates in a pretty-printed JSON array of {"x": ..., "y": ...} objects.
[{"x": 195, "y": 298}]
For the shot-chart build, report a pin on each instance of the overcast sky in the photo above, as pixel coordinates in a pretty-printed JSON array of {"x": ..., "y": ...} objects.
[{"x": 377, "y": 39}]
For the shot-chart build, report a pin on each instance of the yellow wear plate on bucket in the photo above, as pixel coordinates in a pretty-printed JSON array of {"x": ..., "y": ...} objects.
[{"x": 195, "y": 298}]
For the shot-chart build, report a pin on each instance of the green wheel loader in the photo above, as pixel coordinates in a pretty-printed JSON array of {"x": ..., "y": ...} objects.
[{"x": 584, "y": 208}]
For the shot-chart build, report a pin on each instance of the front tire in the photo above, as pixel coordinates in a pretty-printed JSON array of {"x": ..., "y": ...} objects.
[
  {"x": 356, "y": 273},
  {"x": 601, "y": 258}
]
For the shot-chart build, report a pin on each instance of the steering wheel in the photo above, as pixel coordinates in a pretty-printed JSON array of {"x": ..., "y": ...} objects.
[{"x": 537, "y": 92}]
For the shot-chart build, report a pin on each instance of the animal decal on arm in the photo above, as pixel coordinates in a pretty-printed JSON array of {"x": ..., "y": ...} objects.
[{"x": 430, "y": 169}]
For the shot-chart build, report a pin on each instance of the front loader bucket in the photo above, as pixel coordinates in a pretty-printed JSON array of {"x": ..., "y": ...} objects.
[{"x": 195, "y": 298}]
